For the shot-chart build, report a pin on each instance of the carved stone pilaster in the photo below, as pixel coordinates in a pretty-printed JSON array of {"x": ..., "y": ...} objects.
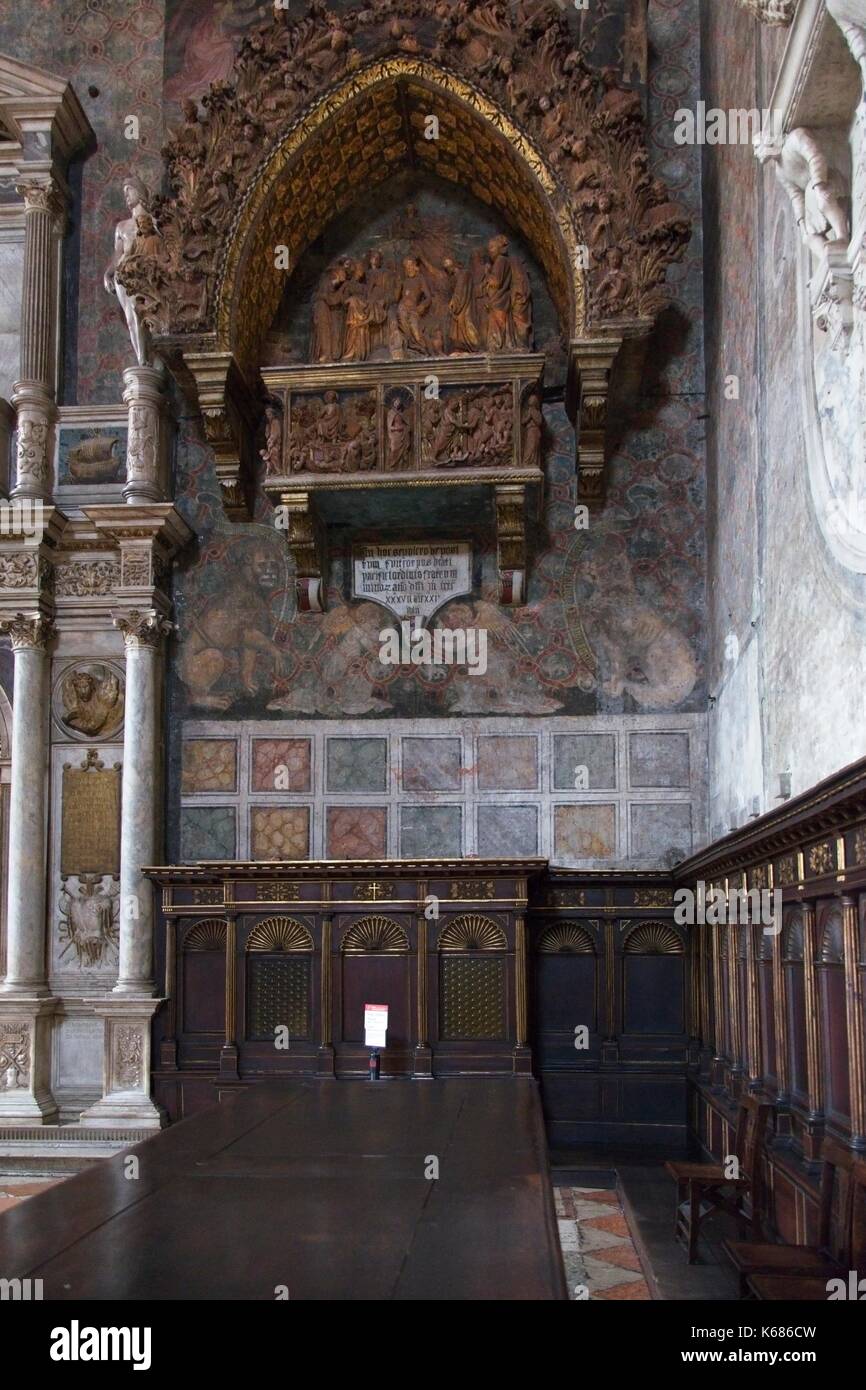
[
  {"x": 146, "y": 538},
  {"x": 296, "y": 517},
  {"x": 33, "y": 394},
  {"x": 511, "y": 544},
  {"x": 146, "y": 451}
]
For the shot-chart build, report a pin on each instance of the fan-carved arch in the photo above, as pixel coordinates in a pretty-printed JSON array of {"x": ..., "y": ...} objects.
[
  {"x": 653, "y": 939},
  {"x": 381, "y": 935},
  {"x": 279, "y": 934},
  {"x": 566, "y": 938},
  {"x": 832, "y": 943},
  {"x": 793, "y": 940},
  {"x": 472, "y": 931},
  {"x": 209, "y": 935}
]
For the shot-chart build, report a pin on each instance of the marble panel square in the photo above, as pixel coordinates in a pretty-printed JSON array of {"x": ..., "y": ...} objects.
[
  {"x": 507, "y": 763},
  {"x": 357, "y": 764}
]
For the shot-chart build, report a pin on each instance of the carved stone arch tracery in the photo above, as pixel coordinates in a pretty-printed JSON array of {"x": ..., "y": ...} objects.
[{"x": 337, "y": 103}]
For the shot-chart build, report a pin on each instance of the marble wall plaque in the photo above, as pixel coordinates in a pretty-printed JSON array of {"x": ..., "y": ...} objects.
[
  {"x": 412, "y": 580},
  {"x": 90, "y": 823}
]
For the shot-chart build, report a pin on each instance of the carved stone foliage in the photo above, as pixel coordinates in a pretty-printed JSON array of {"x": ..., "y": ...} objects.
[
  {"x": 89, "y": 922},
  {"x": 521, "y": 57},
  {"x": 128, "y": 1058},
  {"x": 411, "y": 296},
  {"x": 26, "y": 570},
  {"x": 14, "y": 1054},
  {"x": 28, "y": 630},
  {"x": 86, "y": 578},
  {"x": 89, "y": 700}
]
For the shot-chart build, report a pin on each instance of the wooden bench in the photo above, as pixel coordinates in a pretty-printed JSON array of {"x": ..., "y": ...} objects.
[
  {"x": 812, "y": 1287},
  {"x": 830, "y": 1255},
  {"x": 700, "y": 1183}
]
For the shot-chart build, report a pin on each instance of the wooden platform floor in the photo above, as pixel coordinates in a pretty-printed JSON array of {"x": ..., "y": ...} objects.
[{"x": 316, "y": 1186}]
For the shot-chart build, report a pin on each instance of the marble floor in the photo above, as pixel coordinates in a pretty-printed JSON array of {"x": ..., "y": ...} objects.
[{"x": 600, "y": 1258}]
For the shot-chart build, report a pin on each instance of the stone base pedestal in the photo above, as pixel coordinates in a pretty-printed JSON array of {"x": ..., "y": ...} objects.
[
  {"x": 126, "y": 1066},
  {"x": 25, "y": 1061}
]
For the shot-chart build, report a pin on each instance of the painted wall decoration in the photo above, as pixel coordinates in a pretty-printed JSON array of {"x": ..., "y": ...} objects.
[
  {"x": 612, "y": 621},
  {"x": 87, "y": 456}
]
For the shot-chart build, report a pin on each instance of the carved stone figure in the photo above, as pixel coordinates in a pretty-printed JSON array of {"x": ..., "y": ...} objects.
[
  {"x": 613, "y": 287},
  {"x": 463, "y": 335},
  {"x": 92, "y": 701},
  {"x": 328, "y": 308},
  {"x": 497, "y": 291},
  {"x": 272, "y": 453},
  {"x": 357, "y": 344},
  {"x": 533, "y": 427},
  {"x": 399, "y": 436},
  {"x": 137, "y": 200},
  {"x": 816, "y": 191},
  {"x": 771, "y": 11},
  {"x": 413, "y": 302}
]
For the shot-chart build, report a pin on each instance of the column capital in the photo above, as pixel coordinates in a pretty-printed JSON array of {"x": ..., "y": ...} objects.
[
  {"x": 42, "y": 195},
  {"x": 28, "y": 630},
  {"x": 142, "y": 629}
]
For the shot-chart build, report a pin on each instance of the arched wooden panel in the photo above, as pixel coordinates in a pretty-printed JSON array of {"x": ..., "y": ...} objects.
[{"x": 203, "y": 976}]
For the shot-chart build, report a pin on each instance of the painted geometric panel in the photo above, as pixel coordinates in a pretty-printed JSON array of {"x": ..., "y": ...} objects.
[
  {"x": 280, "y": 832},
  {"x": 356, "y": 832},
  {"x": 431, "y": 832},
  {"x": 584, "y": 762},
  {"x": 661, "y": 830},
  {"x": 507, "y": 831},
  {"x": 507, "y": 764},
  {"x": 584, "y": 832},
  {"x": 472, "y": 991},
  {"x": 209, "y": 765},
  {"x": 207, "y": 832},
  {"x": 431, "y": 764},
  {"x": 658, "y": 760},
  {"x": 357, "y": 764},
  {"x": 281, "y": 764},
  {"x": 278, "y": 996}
]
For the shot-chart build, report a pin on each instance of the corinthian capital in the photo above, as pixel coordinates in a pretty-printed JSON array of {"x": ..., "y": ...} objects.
[
  {"x": 142, "y": 629},
  {"x": 42, "y": 195},
  {"x": 27, "y": 630},
  {"x": 771, "y": 11}
]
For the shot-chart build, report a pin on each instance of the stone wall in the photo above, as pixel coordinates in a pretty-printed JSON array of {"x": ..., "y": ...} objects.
[{"x": 787, "y": 621}]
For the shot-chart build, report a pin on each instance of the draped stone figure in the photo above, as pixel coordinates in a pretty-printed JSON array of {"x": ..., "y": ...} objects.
[
  {"x": 328, "y": 308},
  {"x": 357, "y": 342},
  {"x": 497, "y": 288},
  {"x": 412, "y": 305},
  {"x": 521, "y": 305},
  {"x": 137, "y": 200},
  {"x": 463, "y": 335}
]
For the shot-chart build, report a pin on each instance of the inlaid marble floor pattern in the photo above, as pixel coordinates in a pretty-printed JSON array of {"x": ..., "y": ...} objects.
[{"x": 600, "y": 1259}]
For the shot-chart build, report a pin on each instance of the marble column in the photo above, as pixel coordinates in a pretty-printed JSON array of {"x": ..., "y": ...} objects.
[
  {"x": 25, "y": 946},
  {"x": 33, "y": 393},
  {"x": 26, "y": 1008},
  {"x": 143, "y": 634},
  {"x": 145, "y": 400}
]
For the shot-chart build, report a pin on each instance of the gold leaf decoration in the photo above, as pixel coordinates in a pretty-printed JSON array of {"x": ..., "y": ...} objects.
[
  {"x": 567, "y": 939},
  {"x": 472, "y": 932},
  {"x": 279, "y": 934},
  {"x": 375, "y": 934},
  {"x": 206, "y": 936},
  {"x": 653, "y": 939}
]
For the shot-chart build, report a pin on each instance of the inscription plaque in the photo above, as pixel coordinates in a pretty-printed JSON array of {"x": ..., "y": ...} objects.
[
  {"x": 412, "y": 580},
  {"x": 90, "y": 821}
]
